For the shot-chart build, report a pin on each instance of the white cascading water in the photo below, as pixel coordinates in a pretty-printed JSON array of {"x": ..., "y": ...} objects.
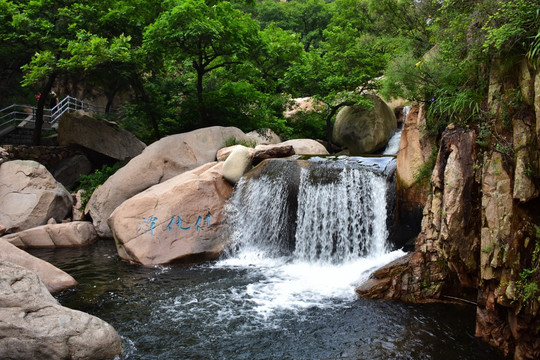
[
  {"x": 313, "y": 253},
  {"x": 341, "y": 221},
  {"x": 393, "y": 144}
]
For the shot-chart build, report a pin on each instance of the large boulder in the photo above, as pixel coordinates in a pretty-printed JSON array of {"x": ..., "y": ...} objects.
[
  {"x": 306, "y": 147},
  {"x": 181, "y": 219},
  {"x": 77, "y": 233},
  {"x": 237, "y": 164},
  {"x": 99, "y": 135},
  {"x": 263, "y": 136},
  {"x": 69, "y": 170},
  {"x": 34, "y": 326},
  {"x": 364, "y": 131},
  {"x": 30, "y": 196},
  {"x": 54, "y": 279},
  {"x": 164, "y": 159}
]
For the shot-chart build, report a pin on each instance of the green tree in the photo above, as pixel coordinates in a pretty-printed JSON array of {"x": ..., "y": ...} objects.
[
  {"x": 308, "y": 18},
  {"x": 340, "y": 73},
  {"x": 65, "y": 40},
  {"x": 202, "y": 38}
]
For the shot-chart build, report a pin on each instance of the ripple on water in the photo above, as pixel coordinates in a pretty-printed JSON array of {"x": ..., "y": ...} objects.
[{"x": 236, "y": 310}]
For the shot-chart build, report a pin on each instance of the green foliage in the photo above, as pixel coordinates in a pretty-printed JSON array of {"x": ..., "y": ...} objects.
[
  {"x": 234, "y": 141},
  {"x": 514, "y": 26},
  {"x": 307, "y": 18},
  {"x": 527, "y": 289},
  {"x": 422, "y": 176},
  {"x": 528, "y": 284},
  {"x": 90, "y": 182},
  {"x": 307, "y": 124},
  {"x": 484, "y": 135}
]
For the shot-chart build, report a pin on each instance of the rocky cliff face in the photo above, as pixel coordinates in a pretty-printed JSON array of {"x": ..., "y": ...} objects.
[
  {"x": 480, "y": 233},
  {"x": 415, "y": 149}
]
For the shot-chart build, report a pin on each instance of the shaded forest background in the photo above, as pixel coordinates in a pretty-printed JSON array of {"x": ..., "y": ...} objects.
[{"x": 193, "y": 63}]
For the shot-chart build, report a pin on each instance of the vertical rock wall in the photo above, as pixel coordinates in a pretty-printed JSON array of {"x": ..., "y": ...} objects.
[
  {"x": 480, "y": 233},
  {"x": 415, "y": 149}
]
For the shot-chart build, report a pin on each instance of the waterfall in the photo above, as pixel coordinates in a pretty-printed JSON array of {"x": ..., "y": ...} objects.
[
  {"x": 393, "y": 144},
  {"x": 329, "y": 210}
]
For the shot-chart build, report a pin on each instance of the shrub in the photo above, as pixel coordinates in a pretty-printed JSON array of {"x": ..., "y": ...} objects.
[{"x": 90, "y": 182}]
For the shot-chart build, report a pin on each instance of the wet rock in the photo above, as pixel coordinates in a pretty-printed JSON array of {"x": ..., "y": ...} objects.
[
  {"x": 237, "y": 164},
  {"x": 263, "y": 152},
  {"x": 77, "y": 233},
  {"x": 364, "y": 131},
  {"x": 448, "y": 242},
  {"x": 54, "y": 279},
  {"x": 99, "y": 135},
  {"x": 454, "y": 176},
  {"x": 181, "y": 219},
  {"x": 380, "y": 284},
  {"x": 30, "y": 196},
  {"x": 34, "y": 326},
  {"x": 162, "y": 160}
]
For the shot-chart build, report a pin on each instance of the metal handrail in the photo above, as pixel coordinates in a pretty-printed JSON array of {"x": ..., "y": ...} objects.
[{"x": 18, "y": 113}]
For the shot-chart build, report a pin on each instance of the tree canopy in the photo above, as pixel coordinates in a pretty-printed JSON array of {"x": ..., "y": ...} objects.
[{"x": 192, "y": 63}]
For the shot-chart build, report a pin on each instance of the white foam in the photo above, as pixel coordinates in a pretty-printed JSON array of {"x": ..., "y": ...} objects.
[{"x": 296, "y": 285}]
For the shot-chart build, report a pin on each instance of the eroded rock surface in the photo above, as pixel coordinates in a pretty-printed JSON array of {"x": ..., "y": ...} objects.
[
  {"x": 162, "y": 160},
  {"x": 99, "y": 135},
  {"x": 54, "y": 279},
  {"x": 415, "y": 151},
  {"x": 181, "y": 219},
  {"x": 30, "y": 196},
  {"x": 76, "y": 233},
  {"x": 34, "y": 326}
]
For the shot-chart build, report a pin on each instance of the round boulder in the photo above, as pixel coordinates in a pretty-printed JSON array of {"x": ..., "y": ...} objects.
[
  {"x": 30, "y": 196},
  {"x": 364, "y": 131}
]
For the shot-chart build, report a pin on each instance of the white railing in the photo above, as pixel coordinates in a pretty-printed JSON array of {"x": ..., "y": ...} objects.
[{"x": 16, "y": 114}]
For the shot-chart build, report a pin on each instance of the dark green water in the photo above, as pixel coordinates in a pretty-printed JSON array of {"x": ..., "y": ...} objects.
[{"x": 218, "y": 311}]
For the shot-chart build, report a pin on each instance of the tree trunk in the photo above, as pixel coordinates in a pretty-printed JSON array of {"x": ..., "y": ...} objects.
[
  {"x": 110, "y": 99},
  {"x": 331, "y": 112},
  {"x": 200, "y": 100},
  {"x": 38, "y": 125}
]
